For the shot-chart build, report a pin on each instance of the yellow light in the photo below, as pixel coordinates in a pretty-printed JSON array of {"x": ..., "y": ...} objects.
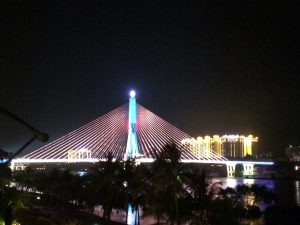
[{"x": 216, "y": 143}]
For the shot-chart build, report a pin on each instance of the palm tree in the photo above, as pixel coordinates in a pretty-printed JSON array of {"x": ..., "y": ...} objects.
[
  {"x": 251, "y": 196},
  {"x": 199, "y": 199},
  {"x": 168, "y": 192},
  {"x": 225, "y": 208},
  {"x": 129, "y": 187},
  {"x": 139, "y": 186},
  {"x": 107, "y": 185}
]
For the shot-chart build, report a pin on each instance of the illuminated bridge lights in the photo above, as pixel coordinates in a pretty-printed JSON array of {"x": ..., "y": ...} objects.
[
  {"x": 109, "y": 134},
  {"x": 132, "y": 131}
]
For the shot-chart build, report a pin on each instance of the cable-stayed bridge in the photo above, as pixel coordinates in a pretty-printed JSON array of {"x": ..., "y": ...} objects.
[{"x": 129, "y": 131}]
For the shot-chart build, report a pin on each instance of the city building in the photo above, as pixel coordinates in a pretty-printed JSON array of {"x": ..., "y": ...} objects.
[{"x": 226, "y": 145}]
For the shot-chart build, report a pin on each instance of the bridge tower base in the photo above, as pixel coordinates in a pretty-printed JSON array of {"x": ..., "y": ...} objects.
[
  {"x": 230, "y": 169},
  {"x": 248, "y": 169}
]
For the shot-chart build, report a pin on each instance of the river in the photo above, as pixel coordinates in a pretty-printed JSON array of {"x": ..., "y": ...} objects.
[{"x": 286, "y": 191}]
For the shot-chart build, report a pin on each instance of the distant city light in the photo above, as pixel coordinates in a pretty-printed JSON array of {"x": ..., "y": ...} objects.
[
  {"x": 132, "y": 93},
  {"x": 3, "y": 161},
  {"x": 226, "y": 145},
  {"x": 81, "y": 173}
]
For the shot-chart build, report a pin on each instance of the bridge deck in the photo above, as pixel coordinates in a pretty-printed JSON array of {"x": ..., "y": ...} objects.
[{"x": 141, "y": 160}]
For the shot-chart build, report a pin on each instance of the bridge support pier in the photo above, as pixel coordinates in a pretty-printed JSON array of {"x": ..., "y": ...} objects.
[
  {"x": 248, "y": 169},
  {"x": 230, "y": 169}
]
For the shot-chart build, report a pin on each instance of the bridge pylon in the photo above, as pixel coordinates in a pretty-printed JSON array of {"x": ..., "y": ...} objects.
[{"x": 132, "y": 149}]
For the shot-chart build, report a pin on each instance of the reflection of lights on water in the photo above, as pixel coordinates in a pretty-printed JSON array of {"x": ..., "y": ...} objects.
[
  {"x": 231, "y": 182},
  {"x": 297, "y": 192},
  {"x": 81, "y": 173},
  {"x": 249, "y": 199},
  {"x": 131, "y": 216},
  {"x": 248, "y": 181}
]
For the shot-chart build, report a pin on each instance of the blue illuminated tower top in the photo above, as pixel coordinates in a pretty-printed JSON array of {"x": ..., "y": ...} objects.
[
  {"x": 132, "y": 150},
  {"x": 132, "y": 108}
]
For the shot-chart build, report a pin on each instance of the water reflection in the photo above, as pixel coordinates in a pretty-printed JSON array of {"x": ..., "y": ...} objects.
[
  {"x": 233, "y": 182},
  {"x": 131, "y": 216},
  {"x": 230, "y": 182},
  {"x": 297, "y": 192},
  {"x": 287, "y": 192},
  {"x": 249, "y": 181},
  {"x": 258, "y": 221}
]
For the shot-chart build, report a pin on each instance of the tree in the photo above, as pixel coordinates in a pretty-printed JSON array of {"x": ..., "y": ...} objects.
[
  {"x": 225, "y": 207},
  {"x": 199, "y": 198},
  {"x": 5, "y": 194},
  {"x": 107, "y": 185},
  {"x": 132, "y": 184},
  {"x": 166, "y": 193},
  {"x": 10, "y": 198},
  {"x": 251, "y": 196}
]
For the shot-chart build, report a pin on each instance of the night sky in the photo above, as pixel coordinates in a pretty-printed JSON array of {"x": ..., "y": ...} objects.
[{"x": 208, "y": 68}]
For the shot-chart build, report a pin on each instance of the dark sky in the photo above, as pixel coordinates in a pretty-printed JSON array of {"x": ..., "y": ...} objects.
[{"x": 205, "y": 66}]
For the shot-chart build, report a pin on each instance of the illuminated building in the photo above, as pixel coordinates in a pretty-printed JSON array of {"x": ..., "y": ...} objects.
[
  {"x": 82, "y": 153},
  {"x": 226, "y": 145},
  {"x": 293, "y": 153},
  {"x": 204, "y": 146}
]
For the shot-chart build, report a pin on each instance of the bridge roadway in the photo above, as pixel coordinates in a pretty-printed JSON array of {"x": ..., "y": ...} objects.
[{"x": 248, "y": 166}]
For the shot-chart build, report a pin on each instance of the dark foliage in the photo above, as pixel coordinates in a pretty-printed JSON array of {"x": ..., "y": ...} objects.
[{"x": 168, "y": 190}]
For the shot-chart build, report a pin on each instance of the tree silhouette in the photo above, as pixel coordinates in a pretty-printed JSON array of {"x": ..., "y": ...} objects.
[{"x": 166, "y": 193}]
